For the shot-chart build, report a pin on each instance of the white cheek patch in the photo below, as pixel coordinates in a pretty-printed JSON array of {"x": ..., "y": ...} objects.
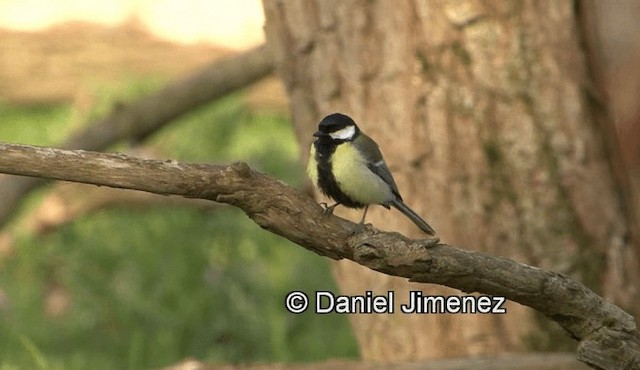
[{"x": 344, "y": 134}]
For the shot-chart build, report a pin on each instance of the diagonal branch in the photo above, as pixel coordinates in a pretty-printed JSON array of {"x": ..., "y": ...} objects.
[
  {"x": 142, "y": 118},
  {"x": 608, "y": 336}
]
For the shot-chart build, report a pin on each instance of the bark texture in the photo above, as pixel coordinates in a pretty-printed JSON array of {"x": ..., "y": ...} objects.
[
  {"x": 483, "y": 112},
  {"x": 607, "y": 335}
]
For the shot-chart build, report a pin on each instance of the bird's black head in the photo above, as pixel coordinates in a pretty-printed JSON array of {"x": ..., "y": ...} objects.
[{"x": 337, "y": 127}]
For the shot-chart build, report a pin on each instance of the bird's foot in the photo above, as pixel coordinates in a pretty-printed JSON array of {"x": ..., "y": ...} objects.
[
  {"x": 360, "y": 227},
  {"x": 327, "y": 209}
]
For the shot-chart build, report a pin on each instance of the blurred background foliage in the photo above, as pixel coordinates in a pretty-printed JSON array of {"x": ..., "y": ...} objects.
[{"x": 150, "y": 286}]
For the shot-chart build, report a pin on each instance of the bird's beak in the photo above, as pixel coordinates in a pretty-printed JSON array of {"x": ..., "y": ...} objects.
[{"x": 319, "y": 133}]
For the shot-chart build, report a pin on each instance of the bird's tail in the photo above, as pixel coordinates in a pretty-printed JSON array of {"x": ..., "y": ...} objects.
[{"x": 422, "y": 224}]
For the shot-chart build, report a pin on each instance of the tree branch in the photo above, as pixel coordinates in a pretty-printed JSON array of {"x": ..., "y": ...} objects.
[
  {"x": 69, "y": 201},
  {"x": 608, "y": 336},
  {"x": 145, "y": 116}
]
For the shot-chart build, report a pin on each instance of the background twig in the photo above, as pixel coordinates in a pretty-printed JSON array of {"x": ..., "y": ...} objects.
[{"x": 142, "y": 118}]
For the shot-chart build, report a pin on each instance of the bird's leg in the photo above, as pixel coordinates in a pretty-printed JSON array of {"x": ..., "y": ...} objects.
[
  {"x": 366, "y": 208},
  {"x": 361, "y": 226},
  {"x": 328, "y": 210}
]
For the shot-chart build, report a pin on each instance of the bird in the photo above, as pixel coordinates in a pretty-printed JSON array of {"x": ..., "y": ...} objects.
[{"x": 347, "y": 166}]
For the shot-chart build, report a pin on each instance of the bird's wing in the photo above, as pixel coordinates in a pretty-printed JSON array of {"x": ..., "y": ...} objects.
[{"x": 376, "y": 163}]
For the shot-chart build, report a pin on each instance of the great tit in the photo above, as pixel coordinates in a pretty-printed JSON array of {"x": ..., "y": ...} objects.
[{"x": 347, "y": 166}]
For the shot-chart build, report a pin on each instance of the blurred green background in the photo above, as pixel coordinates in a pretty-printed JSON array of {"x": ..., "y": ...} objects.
[{"x": 151, "y": 286}]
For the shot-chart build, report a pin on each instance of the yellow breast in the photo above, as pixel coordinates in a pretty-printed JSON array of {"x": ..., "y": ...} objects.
[{"x": 355, "y": 179}]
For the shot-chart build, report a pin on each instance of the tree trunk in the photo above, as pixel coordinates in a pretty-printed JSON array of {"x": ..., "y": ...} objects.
[{"x": 483, "y": 114}]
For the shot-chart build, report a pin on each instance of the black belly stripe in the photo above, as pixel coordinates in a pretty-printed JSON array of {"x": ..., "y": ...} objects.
[{"x": 326, "y": 181}]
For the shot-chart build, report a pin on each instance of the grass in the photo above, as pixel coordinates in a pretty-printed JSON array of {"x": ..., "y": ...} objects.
[{"x": 150, "y": 287}]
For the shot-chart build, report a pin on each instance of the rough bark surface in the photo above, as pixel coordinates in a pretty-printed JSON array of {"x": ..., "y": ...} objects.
[
  {"x": 482, "y": 111},
  {"x": 607, "y": 335}
]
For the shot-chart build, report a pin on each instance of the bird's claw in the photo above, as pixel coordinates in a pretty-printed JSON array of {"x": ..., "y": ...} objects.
[
  {"x": 360, "y": 227},
  {"x": 327, "y": 209}
]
